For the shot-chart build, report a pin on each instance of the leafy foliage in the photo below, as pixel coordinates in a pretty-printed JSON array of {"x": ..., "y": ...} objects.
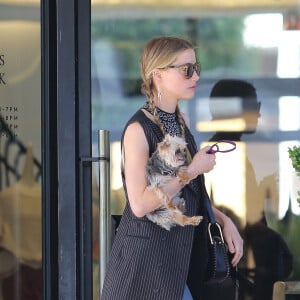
[{"x": 294, "y": 154}]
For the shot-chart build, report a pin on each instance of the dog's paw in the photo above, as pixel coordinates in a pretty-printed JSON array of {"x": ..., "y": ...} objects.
[
  {"x": 182, "y": 175},
  {"x": 196, "y": 220}
]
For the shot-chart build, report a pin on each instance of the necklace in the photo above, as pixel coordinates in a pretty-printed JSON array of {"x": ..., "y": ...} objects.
[{"x": 168, "y": 120}]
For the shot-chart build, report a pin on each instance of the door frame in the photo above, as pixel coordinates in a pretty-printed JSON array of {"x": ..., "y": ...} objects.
[{"x": 66, "y": 138}]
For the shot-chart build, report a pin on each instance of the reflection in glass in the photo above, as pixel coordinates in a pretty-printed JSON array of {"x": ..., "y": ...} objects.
[
  {"x": 248, "y": 182},
  {"x": 289, "y": 117},
  {"x": 259, "y": 196},
  {"x": 20, "y": 154},
  {"x": 289, "y": 54}
]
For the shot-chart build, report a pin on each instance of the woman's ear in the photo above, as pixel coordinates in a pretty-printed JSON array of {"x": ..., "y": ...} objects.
[{"x": 156, "y": 74}]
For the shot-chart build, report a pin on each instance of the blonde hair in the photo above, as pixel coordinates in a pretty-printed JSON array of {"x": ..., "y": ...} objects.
[{"x": 159, "y": 53}]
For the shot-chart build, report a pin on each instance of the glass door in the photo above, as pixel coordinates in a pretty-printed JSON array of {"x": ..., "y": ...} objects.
[
  {"x": 246, "y": 45},
  {"x": 20, "y": 151}
]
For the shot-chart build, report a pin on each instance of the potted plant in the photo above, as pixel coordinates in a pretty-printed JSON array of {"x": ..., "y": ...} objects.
[{"x": 294, "y": 154}]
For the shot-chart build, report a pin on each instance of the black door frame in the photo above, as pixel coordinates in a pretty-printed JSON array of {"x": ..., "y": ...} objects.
[{"x": 66, "y": 138}]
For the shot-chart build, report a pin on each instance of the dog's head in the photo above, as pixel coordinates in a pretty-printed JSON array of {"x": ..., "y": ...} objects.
[{"x": 173, "y": 151}]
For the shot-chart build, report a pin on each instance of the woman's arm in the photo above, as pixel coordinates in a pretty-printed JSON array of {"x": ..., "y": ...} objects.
[
  {"x": 136, "y": 151},
  {"x": 136, "y": 154},
  {"x": 231, "y": 235}
]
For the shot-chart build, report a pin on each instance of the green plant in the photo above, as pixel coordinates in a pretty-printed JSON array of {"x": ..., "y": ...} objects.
[{"x": 294, "y": 154}]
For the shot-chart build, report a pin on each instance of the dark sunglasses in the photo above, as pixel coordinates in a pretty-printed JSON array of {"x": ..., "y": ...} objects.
[
  {"x": 222, "y": 146},
  {"x": 189, "y": 69}
]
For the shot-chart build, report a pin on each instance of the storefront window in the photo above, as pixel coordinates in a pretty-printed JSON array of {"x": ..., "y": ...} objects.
[
  {"x": 255, "y": 184},
  {"x": 20, "y": 152}
]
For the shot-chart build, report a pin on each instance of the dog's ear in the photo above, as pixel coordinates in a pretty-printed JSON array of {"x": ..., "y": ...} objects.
[
  {"x": 165, "y": 144},
  {"x": 168, "y": 138}
]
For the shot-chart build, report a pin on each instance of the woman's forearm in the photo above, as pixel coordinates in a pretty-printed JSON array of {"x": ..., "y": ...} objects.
[{"x": 221, "y": 218}]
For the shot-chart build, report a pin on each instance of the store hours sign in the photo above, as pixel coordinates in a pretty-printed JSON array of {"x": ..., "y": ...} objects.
[
  {"x": 2, "y": 73},
  {"x": 9, "y": 113}
]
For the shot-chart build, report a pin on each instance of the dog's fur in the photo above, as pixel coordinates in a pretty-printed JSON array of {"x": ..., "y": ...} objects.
[{"x": 169, "y": 160}]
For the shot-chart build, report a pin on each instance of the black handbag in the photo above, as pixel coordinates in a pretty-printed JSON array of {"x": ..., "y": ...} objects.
[
  {"x": 218, "y": 267},
  {"x": 220, "y": 281}
]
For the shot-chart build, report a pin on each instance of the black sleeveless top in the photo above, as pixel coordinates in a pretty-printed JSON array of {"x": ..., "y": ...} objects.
[{"x": 148, "y": 262}]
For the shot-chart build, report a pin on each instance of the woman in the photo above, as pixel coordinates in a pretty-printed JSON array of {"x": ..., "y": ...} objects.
[{"x": 147, "y": 261}]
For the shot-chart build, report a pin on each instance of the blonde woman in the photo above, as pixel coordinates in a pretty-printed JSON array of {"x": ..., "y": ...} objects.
[{"x": 148, "y": 262}]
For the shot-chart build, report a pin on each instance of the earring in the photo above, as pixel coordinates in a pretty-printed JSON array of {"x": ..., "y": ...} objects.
[{"x": 159, "y": 95}]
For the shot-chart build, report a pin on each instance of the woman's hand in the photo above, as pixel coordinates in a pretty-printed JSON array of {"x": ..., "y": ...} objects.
[
  {"x": 231, "y": 235},
  {"x": 233, "y": 240},
  {"x": 202, "y": 162}
]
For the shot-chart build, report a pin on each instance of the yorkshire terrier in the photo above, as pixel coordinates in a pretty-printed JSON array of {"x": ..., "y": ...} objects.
[{"x": 169, "y": 161}]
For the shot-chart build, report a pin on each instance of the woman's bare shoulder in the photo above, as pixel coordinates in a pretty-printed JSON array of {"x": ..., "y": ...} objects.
[{"x": 134, "y": 137}]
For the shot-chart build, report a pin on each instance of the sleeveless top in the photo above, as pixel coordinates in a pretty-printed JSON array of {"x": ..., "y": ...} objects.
[{"x": 148, "y": 262}]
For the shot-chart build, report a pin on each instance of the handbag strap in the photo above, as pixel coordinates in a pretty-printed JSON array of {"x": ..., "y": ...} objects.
[{"x": 210, "y": 213}]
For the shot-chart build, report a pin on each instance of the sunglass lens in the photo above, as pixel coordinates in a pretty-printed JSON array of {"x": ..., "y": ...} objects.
[{"x": 191, "y": 69}]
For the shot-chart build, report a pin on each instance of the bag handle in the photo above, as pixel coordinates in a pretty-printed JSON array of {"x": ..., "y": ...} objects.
[{"x": 218, "y": 227}]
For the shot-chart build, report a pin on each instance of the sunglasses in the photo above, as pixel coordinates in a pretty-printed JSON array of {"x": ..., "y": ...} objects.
[
  {"x": 189, "y": 69},
  {"x": 222, "y": 146}
]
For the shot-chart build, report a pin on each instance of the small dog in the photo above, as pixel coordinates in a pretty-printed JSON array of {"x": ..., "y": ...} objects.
[{"x": 169, "y": 161}]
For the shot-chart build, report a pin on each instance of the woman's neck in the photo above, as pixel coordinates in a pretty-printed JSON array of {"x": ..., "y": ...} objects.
[{"x": 167, "y": 106}]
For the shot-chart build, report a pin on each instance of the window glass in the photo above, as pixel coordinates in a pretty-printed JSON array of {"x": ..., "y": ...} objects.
[
  {"x": 20, "y": 152},
  {"x": 255, "y": 184}
]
